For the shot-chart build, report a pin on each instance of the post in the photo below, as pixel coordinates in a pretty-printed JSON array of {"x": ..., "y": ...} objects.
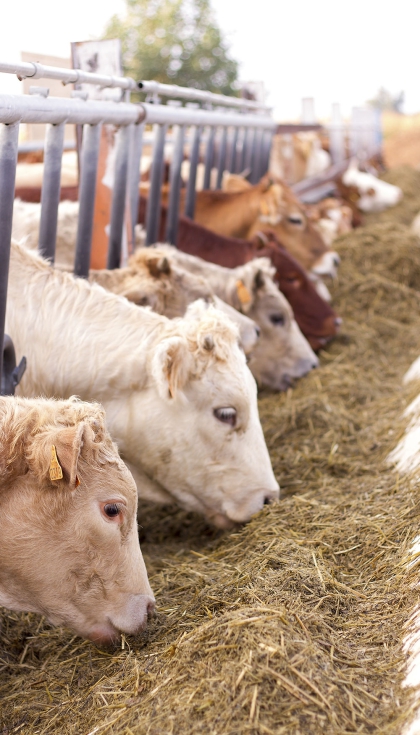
[
  {"x": 50, "y": 196},
  {"x": 208, "y": 163},
  {"x": 308, "y": 111},
  {"x": 233, "y": 146},
  {"x": 337, "y": 147},
  {"x": 153, "y": 202},
  {"x": 222, "y": 158},
  {"x": 9, "y": 135},
  {"x": 119, "y": 197},
  {"x": 175, "y": 186},
  {"x": 194, "y": 154},
  {"x": 87, "y": 189},
  {"x": 256, "y": 156},
  {"x": 134, "y": 178}
]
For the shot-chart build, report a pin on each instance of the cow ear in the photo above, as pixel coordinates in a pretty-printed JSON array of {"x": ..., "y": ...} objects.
[
  {"x": 171, "y": 366},
  {"x": 65, "y": 452},
  {"x": 259, "y": 281},
  {"x": 158, "y": 265}
]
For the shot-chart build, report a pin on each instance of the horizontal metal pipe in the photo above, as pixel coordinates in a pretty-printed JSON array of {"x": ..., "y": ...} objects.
[
  {"x": 198, "y": 95},
  {"x": 56, "y": 110},
  {"x": 186, "y": 116},
  {"x": 34, "y": 70}
]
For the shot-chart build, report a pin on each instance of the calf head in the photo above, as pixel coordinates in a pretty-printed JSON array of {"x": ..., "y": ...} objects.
[
  {"x": 69, "y": 549},
  {"x": 164, "y": 286},
  {"x": 315, "y": 317},
  {"x": 205, "y": 445},
  {"x": 282, "y": 352},
  {"x": 282, "y": 212},
  {"x": 374, "y": 195}
]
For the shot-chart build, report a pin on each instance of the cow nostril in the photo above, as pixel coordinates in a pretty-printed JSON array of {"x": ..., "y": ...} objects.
[
  {"x": 338, "y": 321},
  {"x": 315, "y": 365},
  {"x": 151, "y": 608},
  {"x": 267, "y": 500},
  {"x": 337, "y": 260},
  {"x": 258, "y": 331}
]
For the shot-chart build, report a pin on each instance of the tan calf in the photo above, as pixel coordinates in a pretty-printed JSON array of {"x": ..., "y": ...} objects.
[{"x": 69, "y": 547}]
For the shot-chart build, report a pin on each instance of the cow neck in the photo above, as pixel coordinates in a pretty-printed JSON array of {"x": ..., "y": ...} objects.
[{"x": 77, "y": 337}]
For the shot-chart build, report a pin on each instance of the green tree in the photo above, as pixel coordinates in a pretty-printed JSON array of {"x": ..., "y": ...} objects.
[
  {"x": 176, "y": 42},
  {"x": 385, "y": 100}
]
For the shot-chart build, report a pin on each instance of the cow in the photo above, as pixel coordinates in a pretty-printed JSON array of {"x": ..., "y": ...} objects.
[
  {"x": 181, "y": 402},
  {"x": 156, "y": 280},
  {"x": 69, "y": 546},
  {"x": 298, "y": 156},
  {"x": 372, "y": 194},
  {"x": 331, "y": 217},
  {"x": 25, "y": 228},
  {"x": 317, "y": 321},
  {"x": 282, "y": 353}
]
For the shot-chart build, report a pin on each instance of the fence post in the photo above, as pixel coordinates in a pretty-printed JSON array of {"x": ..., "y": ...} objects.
[
  {"x": 308, "y": 111},
  {"x": 209, "y": 157},
  {"x": 175, "y": 186},
  {"x": 119, "y": 197},
  {"x": 336, "y": 135},
  {"x": 50, "y": 195},
  {"x": 134, "y": 179},
  {"x": 153, "y": 202},
  {"x": 194, "y": 155},
  {"x": 9, "y": 135},
  {"x": 222, "y": 158},
  {"x": 87, "y": 190}
]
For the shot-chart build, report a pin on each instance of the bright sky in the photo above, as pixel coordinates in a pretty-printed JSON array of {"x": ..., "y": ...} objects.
[{"x": 332, "y": 51}]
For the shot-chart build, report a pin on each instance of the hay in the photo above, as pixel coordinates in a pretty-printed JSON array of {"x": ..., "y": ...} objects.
[{"x": 293, "y": 624}]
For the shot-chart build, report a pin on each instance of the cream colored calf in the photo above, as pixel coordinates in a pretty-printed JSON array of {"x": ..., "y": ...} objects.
[
  {"x": 180, "y": 400},
  {"x": 69, "y": 546},
  {"x": 282, "y": 352}
]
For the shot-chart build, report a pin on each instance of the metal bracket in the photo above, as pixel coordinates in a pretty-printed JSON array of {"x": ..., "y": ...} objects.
[
  {"x": 42, "y": 91},
  {"x": 12, "y": 373}
]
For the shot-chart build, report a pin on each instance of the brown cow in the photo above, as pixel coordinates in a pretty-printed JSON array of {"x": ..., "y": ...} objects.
[
  {"x": 314, "y": 316},
  {"x": 69, "y": 546}
]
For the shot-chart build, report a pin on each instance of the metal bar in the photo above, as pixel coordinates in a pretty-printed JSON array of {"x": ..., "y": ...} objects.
[
  {"x": 50, "y": 195},
  {"x": 87, "y": 189},
  {"x": 194, "y": 155},
  {"x": 222, "y": 158},
  {"x": 198, "y": 95},
  {"x": 233, "y": 146},
  {"x": 209, "y": 158},
  {"x": 34, "y": 70},
  {"x": 153, "y": 202},
  {"x": 119, "y": 197},
  {"x": 254, "y": 176},
  {"x": 249, "y": 149},
  {"x": 266, "y": 151},
  {"x": 175, "y": 185},
  {"x": 244, "y": 152},
  {"x": 336, "y": 135},
  {"x": 134, "y": 176},
  {"x": 56, "y": 110},
  {"x": 9, "y": 135}
]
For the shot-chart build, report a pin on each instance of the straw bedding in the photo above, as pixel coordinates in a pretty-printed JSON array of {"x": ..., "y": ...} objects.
[{"x": 294, "y": 623}]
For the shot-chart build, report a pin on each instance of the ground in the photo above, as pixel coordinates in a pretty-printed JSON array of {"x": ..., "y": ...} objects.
[{"x": 294, "y": 623}]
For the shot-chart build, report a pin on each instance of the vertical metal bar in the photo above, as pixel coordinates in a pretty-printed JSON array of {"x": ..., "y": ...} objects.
[
  {"x": 194, "y": 154},
  {"x": 134, "y": 176},
  {"x": 9, "y": 135},
  {"x": 119, "y": 197},
  {"x": 222, "y": 158},
  {"x": 239, "y": 152},
  {"x": 337, "y": 142},
  {"x": 231, "y": 163},
  {"x": 175, "y": 185},
  {"x": 208, "y": 163},
  {"x": 153, "y": 202},
  {"x": 50, "y": 195},
  {"x": 245, "y": 146},
  {"x": 267, "y": 143},
  {"x": 87, "y": 189},
  {"x": 256, "y": 156},
  {"x": 250, "y": 151}
]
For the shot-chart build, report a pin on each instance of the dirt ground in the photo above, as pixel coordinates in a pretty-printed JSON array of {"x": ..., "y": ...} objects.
[
  {"x": 294, "y": 623},
  {"x": 401, "y": 140}
]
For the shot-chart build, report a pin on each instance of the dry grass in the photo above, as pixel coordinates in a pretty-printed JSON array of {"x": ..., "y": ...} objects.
[
  {"x": 401, "y": 139},
  {"x": 294, "y": 623}
]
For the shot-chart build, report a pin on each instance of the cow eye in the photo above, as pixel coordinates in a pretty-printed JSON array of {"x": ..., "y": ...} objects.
[
  {"x": 277, "y": 319},
  {"x": 226, "y": 415},
  {"x": 112, "y": 511},
  {"x": 295, "y": 219}
]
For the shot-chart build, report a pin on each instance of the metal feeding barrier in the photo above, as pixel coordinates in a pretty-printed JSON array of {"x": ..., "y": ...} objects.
[{"x": 228, "y": 133}]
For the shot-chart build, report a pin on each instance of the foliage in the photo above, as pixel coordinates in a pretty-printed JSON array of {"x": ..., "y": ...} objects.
[
  {"x": 385, "y": 100},
  {"x": 176, "y": 42}
]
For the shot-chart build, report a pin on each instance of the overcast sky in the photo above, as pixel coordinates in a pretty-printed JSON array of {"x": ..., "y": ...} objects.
[{"x": 332, "y": 51}]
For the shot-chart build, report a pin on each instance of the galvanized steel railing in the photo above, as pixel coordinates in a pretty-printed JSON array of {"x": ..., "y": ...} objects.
[{"x": 234, "y": 138}]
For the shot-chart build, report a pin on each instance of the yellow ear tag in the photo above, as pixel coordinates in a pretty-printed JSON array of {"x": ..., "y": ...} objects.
[
  {"x": 243, "y": 294},
  {"x": 56, "y": 473}
]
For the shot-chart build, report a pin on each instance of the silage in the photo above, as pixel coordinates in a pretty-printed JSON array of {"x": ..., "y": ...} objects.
[{"x": 294, "y": 623}]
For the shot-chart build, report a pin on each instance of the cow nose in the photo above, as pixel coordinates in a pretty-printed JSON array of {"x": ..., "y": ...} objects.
[
  {"x": 258, "y": 331},
  {"x": 268, "y": 500},
  {"x": 151, "y": 608},
  {"x": 338, "y": 321},
  {"x": 336, "y": 260}
]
